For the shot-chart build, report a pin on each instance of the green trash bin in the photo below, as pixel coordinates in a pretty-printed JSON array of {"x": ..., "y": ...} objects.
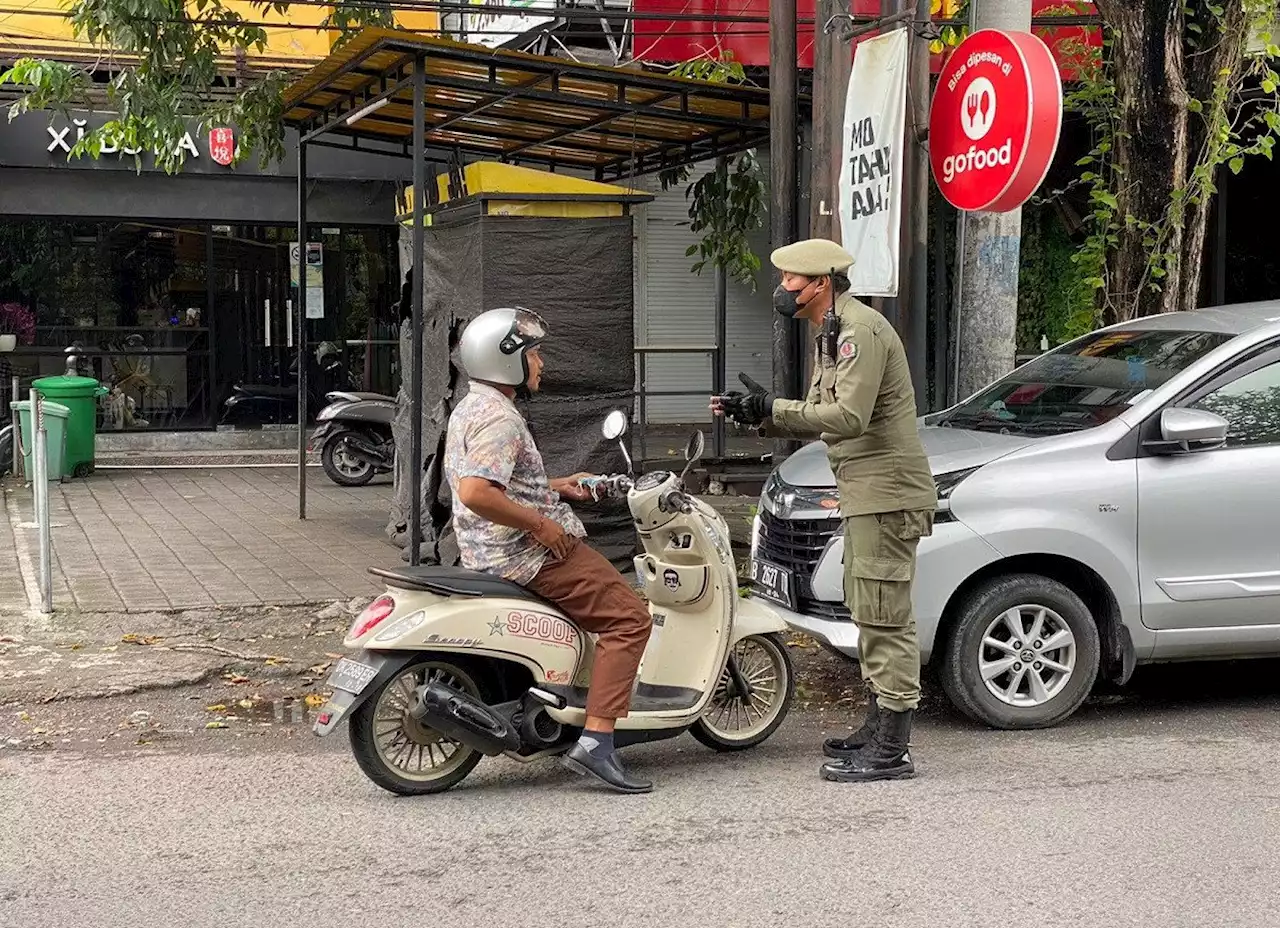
[
  {"x": 80, "y": 395},
  {"x": 56, "y": 417}
]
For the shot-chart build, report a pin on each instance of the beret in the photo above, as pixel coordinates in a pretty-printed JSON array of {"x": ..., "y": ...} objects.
[{"x": 812, "y": 257}]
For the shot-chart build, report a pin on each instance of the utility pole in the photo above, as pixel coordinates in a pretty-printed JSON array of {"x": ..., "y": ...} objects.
[
  {"x": 832, "y": 65},
  {"x": 915, "y": 208},
  {"x": 783, "y": 85},
  {"x": 990, "y": 244}
]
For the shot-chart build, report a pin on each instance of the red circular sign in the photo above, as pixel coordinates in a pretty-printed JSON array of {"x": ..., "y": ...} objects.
[{"x": 995, "y": 120}]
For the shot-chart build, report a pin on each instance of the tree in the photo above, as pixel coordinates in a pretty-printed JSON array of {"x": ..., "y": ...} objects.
[{"x": 1173, "y": 95}]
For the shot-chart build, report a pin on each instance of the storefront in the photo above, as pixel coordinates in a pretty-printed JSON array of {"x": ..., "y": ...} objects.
[{"x": 174, "y": 288}]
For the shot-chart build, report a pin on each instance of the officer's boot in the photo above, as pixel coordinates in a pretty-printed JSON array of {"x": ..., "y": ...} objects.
[
  {"x": 887, "y": 757},
  {"x": 843, "y": 748}
]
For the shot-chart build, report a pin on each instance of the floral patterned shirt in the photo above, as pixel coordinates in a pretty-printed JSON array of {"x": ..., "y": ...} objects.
[{"x": 488, "y": 438}]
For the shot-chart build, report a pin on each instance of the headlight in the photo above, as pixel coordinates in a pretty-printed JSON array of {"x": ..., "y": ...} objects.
[
  {"x": 947, "y": 483},
  {"x": 782, "y": 498}
]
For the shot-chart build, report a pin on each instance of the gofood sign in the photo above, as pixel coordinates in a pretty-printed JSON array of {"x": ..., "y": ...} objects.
[{"x": 995, "y": 121}]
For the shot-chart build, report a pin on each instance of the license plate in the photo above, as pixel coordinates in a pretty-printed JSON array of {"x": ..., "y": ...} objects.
[
  {"x": 774, "y": 583},
  {"x": 352, "y": 676}
]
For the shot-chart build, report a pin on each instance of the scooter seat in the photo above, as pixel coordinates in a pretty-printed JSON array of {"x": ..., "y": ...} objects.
[{"x": 456, "y": 581}]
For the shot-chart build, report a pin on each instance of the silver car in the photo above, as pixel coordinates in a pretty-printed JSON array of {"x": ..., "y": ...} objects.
[{"x": 1113, "y": 502}]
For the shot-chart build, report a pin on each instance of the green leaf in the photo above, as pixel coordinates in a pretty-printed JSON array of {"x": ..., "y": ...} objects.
[{"x": 1236, "y": 165}]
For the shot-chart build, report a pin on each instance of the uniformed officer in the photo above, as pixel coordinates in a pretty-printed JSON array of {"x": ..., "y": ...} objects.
[{"x": 862, "y": 404}]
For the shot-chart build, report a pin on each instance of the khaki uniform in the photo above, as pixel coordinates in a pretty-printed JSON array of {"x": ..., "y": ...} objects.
[{"x": 863, "y": 406}]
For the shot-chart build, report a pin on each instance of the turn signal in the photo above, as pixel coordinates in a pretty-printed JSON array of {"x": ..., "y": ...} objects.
[{"x": 373, "y": 614}]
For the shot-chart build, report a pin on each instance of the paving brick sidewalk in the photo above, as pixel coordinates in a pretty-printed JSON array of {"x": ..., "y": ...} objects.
[{"x": 177, "y": 539}]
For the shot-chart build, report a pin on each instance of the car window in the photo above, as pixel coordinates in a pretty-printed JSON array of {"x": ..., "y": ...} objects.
[
  {"x": 1251, "y": 406},
  {"x": 1086, "y": 383}
]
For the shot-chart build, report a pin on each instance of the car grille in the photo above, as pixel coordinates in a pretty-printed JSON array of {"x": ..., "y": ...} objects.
[{"x": 797, "y": 544}]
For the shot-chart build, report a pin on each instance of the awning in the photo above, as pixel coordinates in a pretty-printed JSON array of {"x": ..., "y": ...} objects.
[{"x": 521, "y": 108}]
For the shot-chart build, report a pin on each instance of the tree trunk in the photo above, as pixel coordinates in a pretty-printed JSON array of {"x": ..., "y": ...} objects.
[
  {"x": 1159, "y": 142},
  {"x": 1150, "y": 156}
]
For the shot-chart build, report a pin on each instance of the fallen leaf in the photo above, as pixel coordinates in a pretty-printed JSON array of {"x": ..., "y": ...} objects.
[
  {"x": 132, "y": 638},
  {"x": 320, "y": 669},
  {"x": 216, "y": 708},
  {"x": 24, "y": 717},
  {"x": 217, "y": 725},
  {"x": 77, "y": 647},
  {"x": 235, "y": 678},
  {"x": 39, "y": 731},
  {"x": 315, "y": 700},
  {"x": 334, "y": 656},
  {"x": 245, "y": 704}
]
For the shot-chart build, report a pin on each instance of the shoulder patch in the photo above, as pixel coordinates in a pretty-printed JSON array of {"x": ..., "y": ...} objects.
[{"x": 848, "y": 350}]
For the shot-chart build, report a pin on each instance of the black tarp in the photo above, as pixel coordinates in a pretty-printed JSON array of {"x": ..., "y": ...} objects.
[{"x": 577, "y": 274}]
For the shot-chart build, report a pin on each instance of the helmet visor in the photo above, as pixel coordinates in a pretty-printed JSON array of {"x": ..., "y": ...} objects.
[{"x": 527, "y": 330}]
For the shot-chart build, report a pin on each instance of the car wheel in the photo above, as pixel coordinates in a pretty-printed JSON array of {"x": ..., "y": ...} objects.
[{"x": 1023, "y": 652}]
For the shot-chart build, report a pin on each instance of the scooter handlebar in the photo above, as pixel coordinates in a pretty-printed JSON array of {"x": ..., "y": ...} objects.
[{"x": 607, "y": 487}]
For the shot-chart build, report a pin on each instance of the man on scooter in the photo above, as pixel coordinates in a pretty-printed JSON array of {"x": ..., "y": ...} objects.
[{"x": 510, "y": 520}]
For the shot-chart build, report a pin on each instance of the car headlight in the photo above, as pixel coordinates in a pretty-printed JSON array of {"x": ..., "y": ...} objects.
[{"x": 948, "y": 482}]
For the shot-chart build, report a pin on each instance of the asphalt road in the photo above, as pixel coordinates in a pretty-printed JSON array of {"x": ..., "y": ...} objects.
[{"x": 1161, "y": 809}]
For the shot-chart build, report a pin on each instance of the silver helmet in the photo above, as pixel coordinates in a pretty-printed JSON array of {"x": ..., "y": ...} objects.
[{"x": 494, "y": 345}]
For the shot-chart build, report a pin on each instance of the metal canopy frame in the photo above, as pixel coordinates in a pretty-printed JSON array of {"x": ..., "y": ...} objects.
[{"x": 404, "y": 91}]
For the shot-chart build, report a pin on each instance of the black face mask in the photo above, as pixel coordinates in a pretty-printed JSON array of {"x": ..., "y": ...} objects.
[{"x": 784, "y": 302}]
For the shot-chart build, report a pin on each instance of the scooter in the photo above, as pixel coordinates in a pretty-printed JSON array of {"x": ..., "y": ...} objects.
[
  {"x": 450, "y": 666},
  {"x": 253, "y": 405},
  {"x": 354, "y": 436}
]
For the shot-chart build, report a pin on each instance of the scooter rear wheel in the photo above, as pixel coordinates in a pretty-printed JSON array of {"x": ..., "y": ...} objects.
[
  {"x": 733, "y": 723},
  {"x": 398, "y": 753},
  {"x": 341, "y": 466}
]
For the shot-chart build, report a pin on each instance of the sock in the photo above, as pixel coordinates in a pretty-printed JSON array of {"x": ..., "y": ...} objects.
[{"x": 597, "y": 743}]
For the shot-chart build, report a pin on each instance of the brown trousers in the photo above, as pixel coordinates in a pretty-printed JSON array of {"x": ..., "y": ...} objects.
[{"x": 592, "y": 593}]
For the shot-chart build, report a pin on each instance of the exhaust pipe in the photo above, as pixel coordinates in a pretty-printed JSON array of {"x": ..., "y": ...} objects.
[
  {"x": 365, "y": 451},
  {"x": 458, "y": 716}
]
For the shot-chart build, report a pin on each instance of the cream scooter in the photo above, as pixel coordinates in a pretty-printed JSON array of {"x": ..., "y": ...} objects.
[{"x": 452, "y": 665}]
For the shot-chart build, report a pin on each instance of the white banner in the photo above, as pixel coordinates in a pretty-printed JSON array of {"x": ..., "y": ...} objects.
[{"x": 871, "y": 177}]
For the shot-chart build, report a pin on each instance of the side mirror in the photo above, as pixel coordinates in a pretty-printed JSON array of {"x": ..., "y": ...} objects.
[
  {"x": 1183, "y": 431},
  {"x": 615, "y": 426},
  {"x": 692, "y": 452}
]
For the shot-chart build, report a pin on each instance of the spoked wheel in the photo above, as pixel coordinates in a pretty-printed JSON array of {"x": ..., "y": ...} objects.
[
  {"x": 343, "y": 467},
  {"x": 734, "y": 720},
  {"x": 396, "y": 751}
]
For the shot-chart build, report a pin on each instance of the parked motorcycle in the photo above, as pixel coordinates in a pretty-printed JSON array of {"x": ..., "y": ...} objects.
[
  {"x": 450, "y": 666},
  {"x": 353, "y": 434},
  {"x": 255, "y": 404}
]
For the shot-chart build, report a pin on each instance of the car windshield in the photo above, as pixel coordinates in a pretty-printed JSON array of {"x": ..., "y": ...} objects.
[{"x": 1084, "y": 385}]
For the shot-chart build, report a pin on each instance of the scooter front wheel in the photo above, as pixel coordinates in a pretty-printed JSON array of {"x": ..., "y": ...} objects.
[
  {"x": 397, "y": 752},
  {"x": 734, "y": 720}
]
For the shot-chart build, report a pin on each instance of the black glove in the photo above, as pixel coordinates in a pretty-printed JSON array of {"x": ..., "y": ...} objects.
[{"x": 757, "y": 405}]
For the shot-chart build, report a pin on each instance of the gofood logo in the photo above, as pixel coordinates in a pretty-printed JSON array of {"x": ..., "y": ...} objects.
[{"x": 977, "y": 115}]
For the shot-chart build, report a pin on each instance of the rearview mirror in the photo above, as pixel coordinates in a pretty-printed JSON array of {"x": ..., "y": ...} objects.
[
  {"x": 1183, "y": 431},
  {"x": 692, "y": 451},
  {"x": 615, "y": 425},
  {"x": 696, "y": 445}
]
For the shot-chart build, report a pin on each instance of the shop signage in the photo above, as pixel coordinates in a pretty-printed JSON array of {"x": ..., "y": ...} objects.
[
  {"x": 315, "y": 276},
  {"x": 62, "y": 138},
  {"x": 995, "y": 121},
  {"x": 494, "y": 29},
  {"x": 870, "y": 177}
]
